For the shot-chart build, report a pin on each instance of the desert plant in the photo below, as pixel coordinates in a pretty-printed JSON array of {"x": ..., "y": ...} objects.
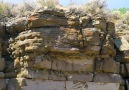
[
  {"x": 95, "y": 7},
  {"x": 47, "y": 3},
  {"x": 115, "y": 15},
  {"x": 4, "y": 11},
  {"x": 22, "y": 9}
]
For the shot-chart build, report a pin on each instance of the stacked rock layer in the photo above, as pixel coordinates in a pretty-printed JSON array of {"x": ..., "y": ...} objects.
[{"x": 58, "y": 50}]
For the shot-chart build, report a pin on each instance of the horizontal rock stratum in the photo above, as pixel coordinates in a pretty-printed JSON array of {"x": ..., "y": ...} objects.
[{"x": 56, "y": 50}]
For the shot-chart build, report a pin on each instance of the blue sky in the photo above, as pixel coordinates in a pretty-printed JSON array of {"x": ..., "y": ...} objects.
[{"x": 111, "y": 4}]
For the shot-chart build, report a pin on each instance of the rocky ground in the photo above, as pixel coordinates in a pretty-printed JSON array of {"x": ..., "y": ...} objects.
[{"x": 58, "y": 50}]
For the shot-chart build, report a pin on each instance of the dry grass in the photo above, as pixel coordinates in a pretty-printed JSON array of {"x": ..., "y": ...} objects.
[
  {"x": 46, "y": 3},
  {"x": 4, "y": 11},
  {"x": 22, "y": 9},
  {"x": 95, "y": 7}
]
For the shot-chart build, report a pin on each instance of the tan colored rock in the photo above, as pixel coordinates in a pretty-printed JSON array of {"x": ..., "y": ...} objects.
[
  {"x": 46, "y": 18},
  {"x": 122, "y": 43},
  {"x": 73, "y": 20},
  {"x": 91, "y": 39},
  {"x": 33, "y": 73},
  {"x": 91, "y": 36},
  {"x": 108, "y": 46},
  {"x": 111, "y": 28},
  {"x": 16, "y": 84}
]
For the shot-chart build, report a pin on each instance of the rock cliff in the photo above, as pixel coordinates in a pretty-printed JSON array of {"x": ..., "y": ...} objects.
[{"x": 52, "y": 49}]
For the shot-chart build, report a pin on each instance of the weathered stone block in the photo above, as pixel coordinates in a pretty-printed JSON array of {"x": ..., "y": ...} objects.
[
  {"x": 46, "y": 19},
  {"x": 83, "y": 65},
  {"x": 122, "y": 43},
  {"x": 91, "y": 86},
  {"x": 57, "y": 76},
  {"x": 27, "y": 84},
  {"x": 99, "y": 23},
  {"x": 111, "y": 28},
  {"x": 111, "y": 66},
  {"x": 33, "y": 73},
  {"x": 16, "y": 25},
  {"x": 108, "y": 78},
  {"x": 80, "y": 77}
]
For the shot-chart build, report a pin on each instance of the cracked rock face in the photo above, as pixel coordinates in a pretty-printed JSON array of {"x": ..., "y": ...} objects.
[{"x": 58, "y": 50}]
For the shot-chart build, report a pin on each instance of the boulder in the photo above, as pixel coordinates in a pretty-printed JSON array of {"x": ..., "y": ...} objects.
[
  {"x": 100, "y": 23},
  {"x": 32, "y": 73},
  {"x": 105, "y": 66},
  {"x": 123, "y": 68},
  {"x": 111, "y": 28},
  {"x": 45, "y": 18},
  {"x": 122, "y": 43},
  {"x": 88, "y": 77},
  {"x": 16, "y": 25}
]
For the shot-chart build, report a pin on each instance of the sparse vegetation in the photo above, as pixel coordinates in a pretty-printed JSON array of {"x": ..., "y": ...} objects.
[
  {"x": 47, "y": 3},
  {"x": 23, "y": 9},
  {"x": 94, "y": 8},
  {"x": 4, "y": 10}
]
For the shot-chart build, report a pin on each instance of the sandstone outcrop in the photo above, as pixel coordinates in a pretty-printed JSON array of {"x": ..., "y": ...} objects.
[{"x": 58, "y": 50}]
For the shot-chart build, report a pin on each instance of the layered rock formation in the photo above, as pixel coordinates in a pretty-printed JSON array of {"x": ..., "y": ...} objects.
[{"x": 58, "y": 50}]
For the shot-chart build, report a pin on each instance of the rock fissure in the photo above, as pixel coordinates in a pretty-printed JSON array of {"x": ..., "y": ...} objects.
[{"x": 55, "y": 50}]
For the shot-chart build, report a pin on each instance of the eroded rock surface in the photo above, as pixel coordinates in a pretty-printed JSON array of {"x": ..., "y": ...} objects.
[{"x": 57, "y": 50}]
